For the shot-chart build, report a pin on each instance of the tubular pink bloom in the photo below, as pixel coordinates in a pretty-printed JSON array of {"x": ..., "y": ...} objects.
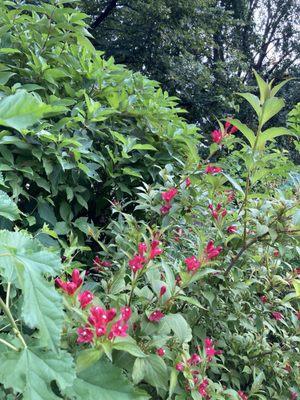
[
  {"x": 163, "y": 290},
  {"x": 169, "y": 195},
  {"x": 202, "y": 388},
  {"x": 234, "y": 129},
  {"x": 216, "y": 136},
  {"x": 137, "y": 263},
  {"x": 155, "y": 250},
  {"x": 76, "y": 278},
  {"x": 85, "y": 335},
  {"x": 188, "y": 182},
  {"x": 242, "y": 395},
  {"x": 288, "y": 368},
  {"x": 232, "y": 229},
  {"x": 99, "y": 263},
  {"x": 195, "y": 359},
  {"x": 276, "y": 253},
  {"x": 298, "y": 315},
  {"x": 70, "y": 287},
  {"x": 294, "y": 396},
  {"x": 211, "y": 169},
  {"x": 161, "y": 352},
  {"x": 100, "y": 330},
  {"x": 192, "y": 263},
  {"x": 227, "y": 125},
  {"x": 165, "y": 209},
  {"x": 277, "y": 315},
  {"x": 85, "y": 298},
  {"x": 215, "y": 215},
  {"x": 106, "y": 263},
  {"x": 142, "y": 248},
  {"x": 263, "y": 299},
  {"x": 156, "y": 316},
  {"x": 179, "y": 366},
  {"x": 211, "y": 251},
  {"x": 208, "y": 342},
  {"x": 224, "y": 213},
  {"x": 230, "y": 196},
  {"x": 98, "y": 316},
  {"x": 126, "y": 313},
  {"x": 118, "y": 329},
  {"x": 110, "y": 314}
]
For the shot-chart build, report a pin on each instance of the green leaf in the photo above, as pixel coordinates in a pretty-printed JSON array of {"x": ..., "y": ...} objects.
[
  {"x": 271, "y": 107},
  {"x": 272, "y": 133},
  {"x": 234, "y": 183},
  {"x": 296, "y": 284},
  {"x": 253, "y": 101},
  {"x": 21, "y": 110},
  {"x": 278, "y": 87},
  {"x": 264, "y": 88},
  {"x": 152, "y": 369},
  {"x": 24, "y": 262},
  {"x": 129, "y": 345},
  {"x": 31, "y": 372},
  {"x": 257, "y": 382},
  {"x": 132, "y": 172},
  {"x": 144, "y": 147},
  {"x": 103, "y": 381},
  {"x": 8, "y": 209},
  {"x": 178, "y": 325},
  {"x": 86, "y": 358},
  {"x": 247, "y": 132}
]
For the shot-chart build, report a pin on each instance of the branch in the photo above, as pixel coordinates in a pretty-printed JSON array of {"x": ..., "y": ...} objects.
[{"x": 104, "y": 14}]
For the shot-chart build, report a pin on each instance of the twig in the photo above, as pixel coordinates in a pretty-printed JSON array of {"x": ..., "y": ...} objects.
[
  {"x": 8, "y": 345},
  {"x": 12, "y": 322}
]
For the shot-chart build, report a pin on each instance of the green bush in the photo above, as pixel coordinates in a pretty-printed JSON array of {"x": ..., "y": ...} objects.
[{"x": 80, "y": 131}]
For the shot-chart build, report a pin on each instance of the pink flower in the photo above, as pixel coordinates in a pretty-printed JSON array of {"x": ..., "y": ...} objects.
[
  {"x": 227, "y": 125},
  {"x": 137, "y": 263},
  {"x": 202, "y": 388},
  {"x": 211, "y": 251},
  {"x": 211, "y": 169},
  {"x": 155, "y": 250},
  {"x": 179, "y": 366},
  {"x": 263, "y": 299},
  {"x": 210, "y": 351},
  {"x": 195, "y": 359},
  {"x": 298, "y": 315},
  {"x": 85, "y": 335},
  {"x": 277, "y": 315},
  {"x": 233, "y": 129},
  {"x": 156, "y": 316},
  {"x": 216, "y": 136},
  {"x": 231, "y": 229},
  {"x": 208, "y": 342},
  {"x": 118, "y": 329},
  {"x": 169, "y": 195},
  {"x": 98, "y": 263},
  {"x": 142, "y": 248},
  {"x": 188, "y": 182},
  {"x": 98, "y": 316},
  {"x": 100, "y": 330},
  {"x": 165, "y": 209},
  {"x": 276, "y": 253},
  {"x": 110, "y": 314},
  {"x": 192, "y": 263},
  {"x": 294, "y": 396},
  {"x": 126, "y": 313},
  {"x": 161, "y": 352},
  {"x": 85, "y": 298},
  {"x": 288, "y": 368},
  {"x": 163, "y": 290},
  {"x": 242, "y": 395},
  {"x": 70, "y": 287}
]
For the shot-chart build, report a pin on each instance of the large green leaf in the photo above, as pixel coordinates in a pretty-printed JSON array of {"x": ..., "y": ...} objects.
[
  {"x": 152, "y": 369},
  {"x": 271, "y": 107},
  {"x": 24, "y": 262},
  {"x": 103, "y": 381},
  {"x": 32, "y": 371},
  {"x": 8, "y": 208},
  {"x": 21, "y": 110},
  {"x": 254, "y": 101},
  {"x": 272, "y": 133},
  {"x": 247, "y": 132},
  {"x": 178, "y": 325}
]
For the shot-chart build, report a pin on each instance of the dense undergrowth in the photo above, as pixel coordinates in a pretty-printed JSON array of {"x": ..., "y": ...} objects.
[{"x": 130, "y": 268}]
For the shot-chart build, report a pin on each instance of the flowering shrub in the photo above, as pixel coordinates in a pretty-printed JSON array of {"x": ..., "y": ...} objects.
[{"x": 192, "y": 289}]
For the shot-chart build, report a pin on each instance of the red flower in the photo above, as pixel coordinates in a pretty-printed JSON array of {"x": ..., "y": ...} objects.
[
  {"x": 263, "y": 298},
  {"x": 294, "y": 396},
  {"x": 276, "y": 253},
  {"x": 163, "y": 290},
  {"x": 298, "y": 315},
  {"x": 211, "y": 169},
  {"x": 111, "y": 313},
  {"x": 142, "y": 248},
  {"x": 233, "y": 129},
  {"x": 242, "y": 395},
  {"x": 98, "y": 316},
  {"x": 98, "y": 263},
  {"x": 210, "y": 351},
  {"x": 202, "y": 388},
  {"x": 188, "y": 182},
  {"x": 85, "y": 298},
  {"x": 179, "y": 366},
  {"x": 100, "y": 331},
  {"x": 227, "y": 125},
  {"x": 85, "y": 335},
  {"x": 155, "y": 250},
  {"x": 156, "y": 316},
  {"x": 195, "y": 359},
  {"x": 211, "y": 251},
  {"x": 161, "y": 352},
  {"x": 231, "y": 229},
  {"x": 277, "y": 315},
  {"x": 137, "y": 263},
  {"x": 169, "y": 195},
  {"x": 165, "y": 209},
  {"x": 70, "y": 287},
  {"x": 192, "y": 263},
  {"x": 216, "y": 136},
  {"x": 118, "y": 329},
  {"x": 126, "y": 313}
]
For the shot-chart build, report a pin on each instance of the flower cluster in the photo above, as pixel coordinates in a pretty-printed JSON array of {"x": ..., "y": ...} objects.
[
  {"x": 168, "y": 197},
  {"x": 99, "y": 263},
  {"x": 212, "y": 169},
  {"x": 210, "y": 351},
  {"x": 144, "y": 255},
  {"x": 242, "y": 395},
  {"x": 210, "y": 252},
  {"x": 102, "y": 322},
  {"x": 217, "y": 213},
  {"x": 156, "y": 316},
  {"x": 70, "y": 287},
  {"x": 218, "y": 135}
]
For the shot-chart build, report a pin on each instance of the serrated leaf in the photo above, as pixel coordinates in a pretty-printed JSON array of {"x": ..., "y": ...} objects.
[
  {"x": 152, "y": 369},
  {"x": 129, "y": 345},
  {"x": 8, "y": 209},
  {"x": 86, "y": 358},
  {"x": 178, "y": 325},
  {"x": 24, "y": 262},
  {"x": 31, "y": 372},
  {"x": 103, "y": 381}
]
